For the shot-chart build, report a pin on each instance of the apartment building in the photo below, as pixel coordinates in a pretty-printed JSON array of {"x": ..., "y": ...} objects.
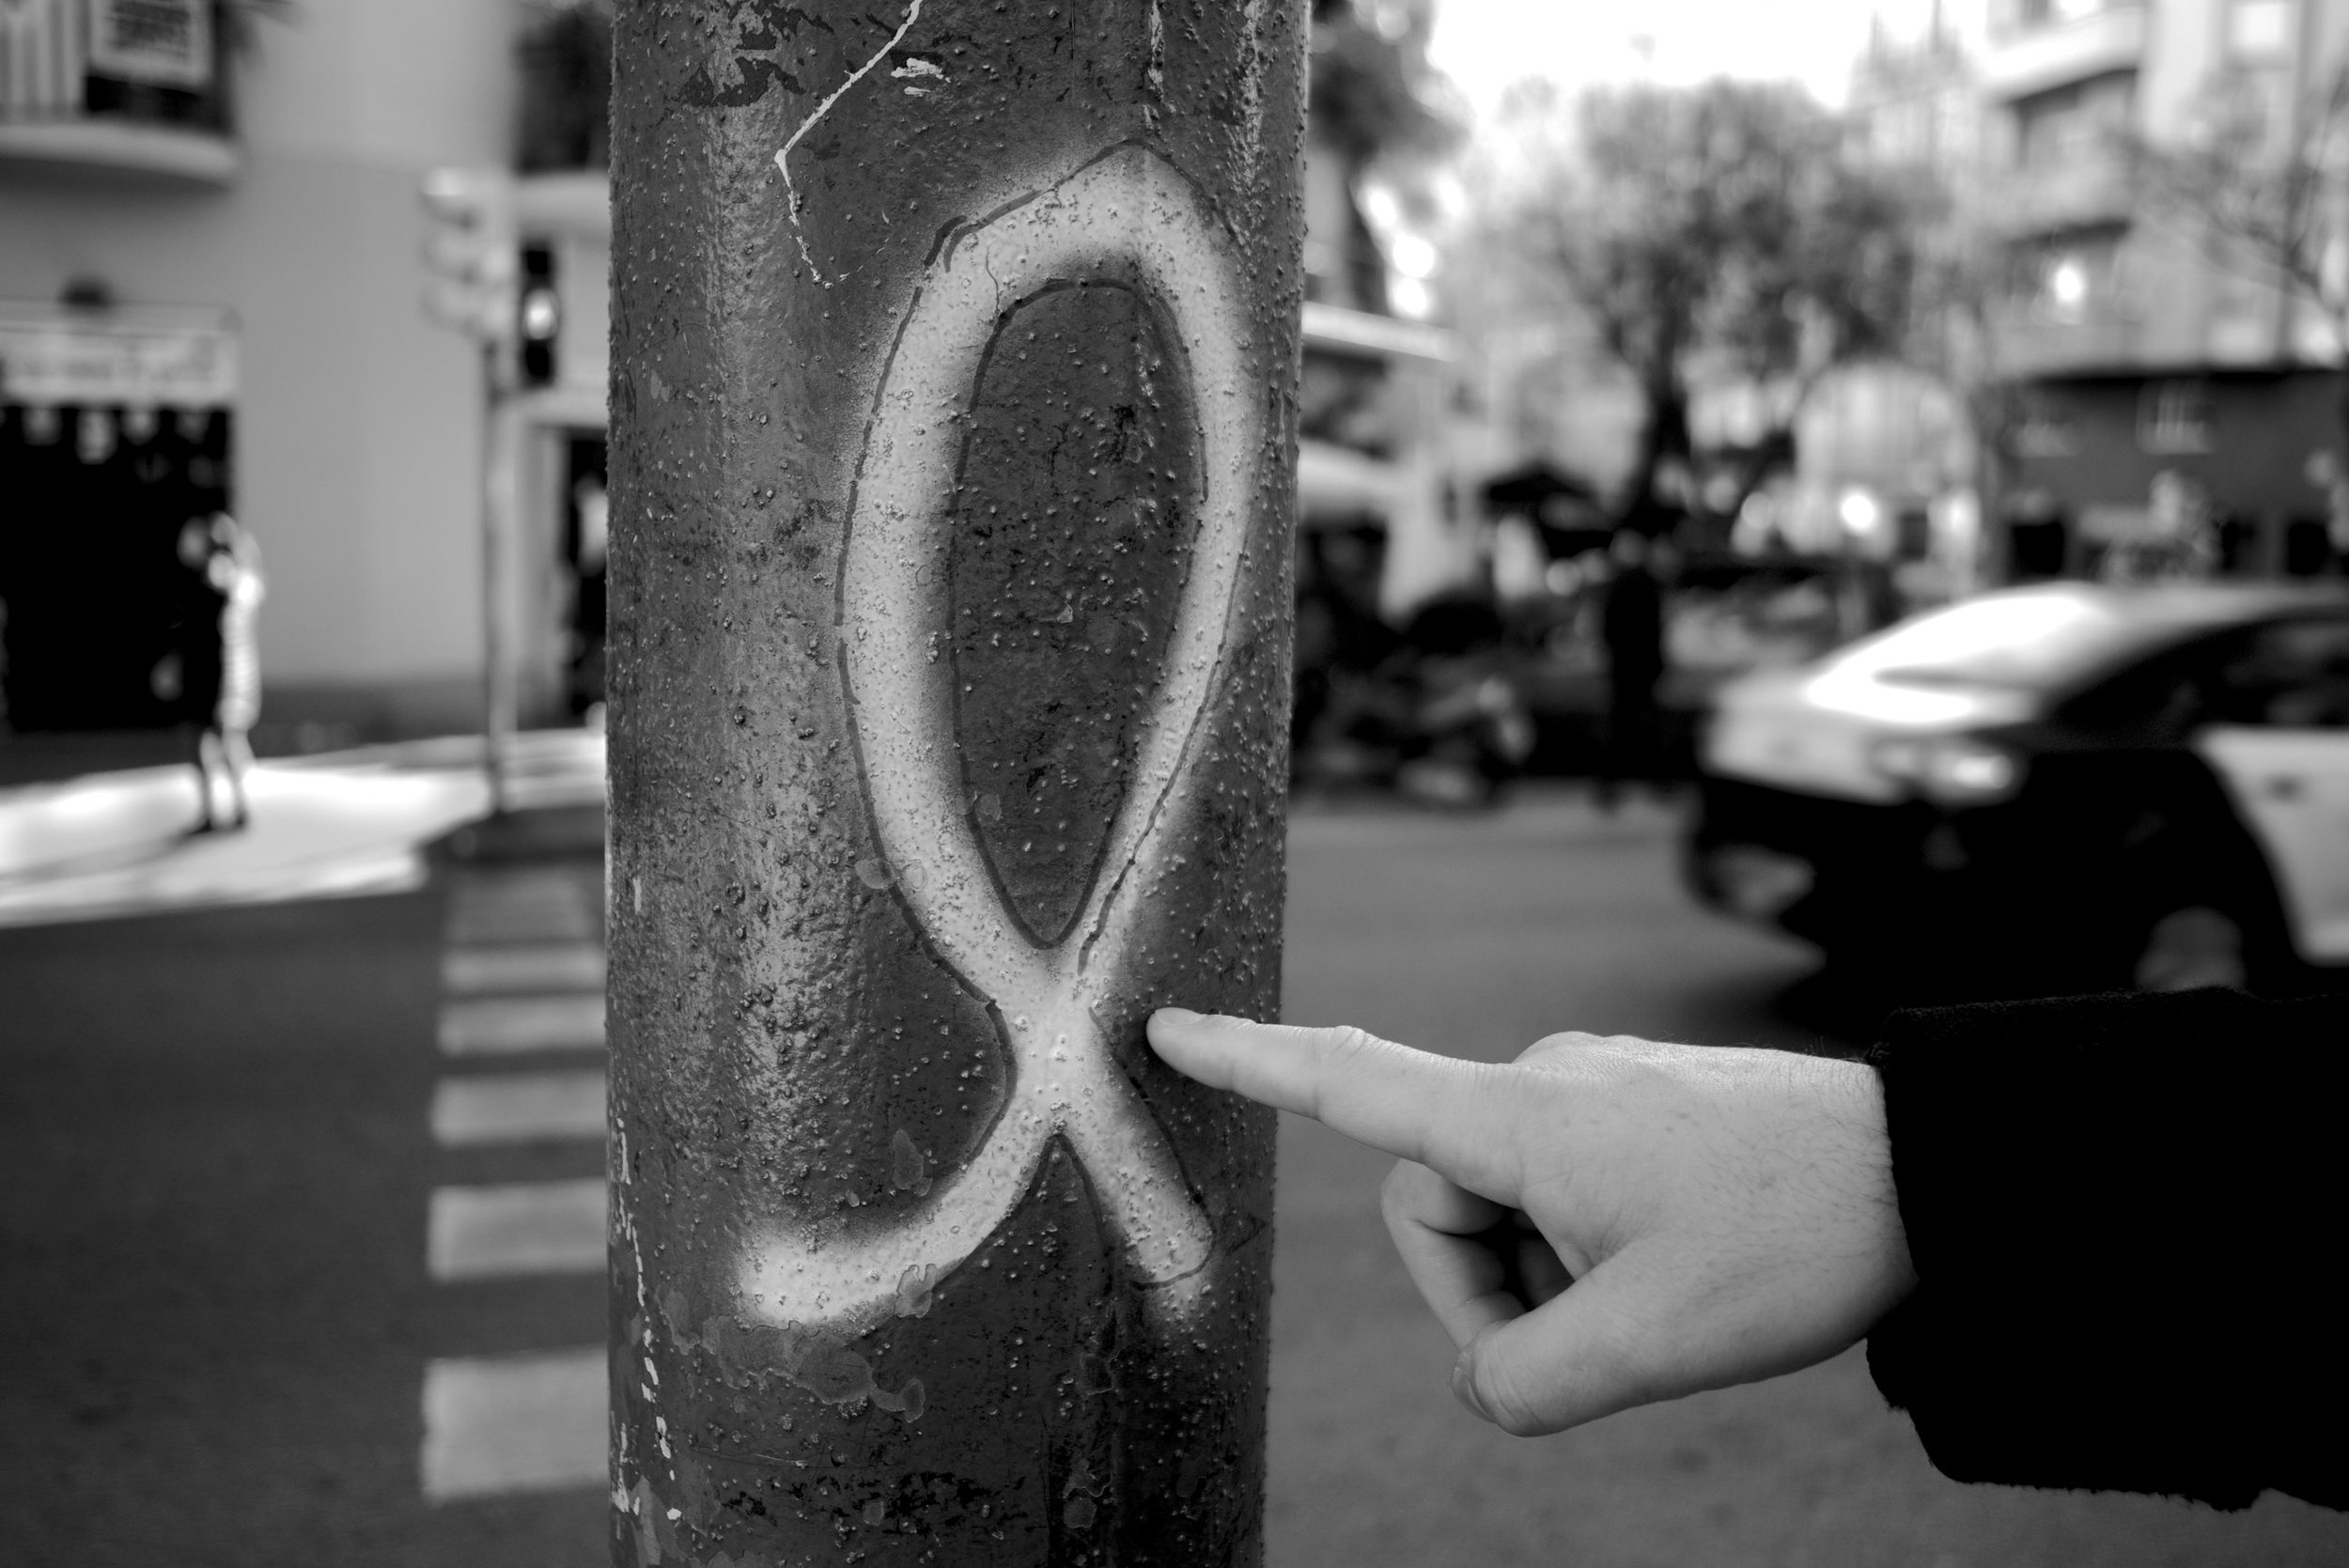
[
  {"x": 210, "y": 272},
  {"x": 2140, "y": 353}
]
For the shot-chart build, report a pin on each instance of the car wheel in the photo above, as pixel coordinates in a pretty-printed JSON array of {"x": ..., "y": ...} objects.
[{"x": 2190, "y": 947}]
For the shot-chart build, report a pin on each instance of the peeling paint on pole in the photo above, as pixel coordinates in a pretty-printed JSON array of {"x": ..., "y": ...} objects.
[{"x": 953, "y": 410}]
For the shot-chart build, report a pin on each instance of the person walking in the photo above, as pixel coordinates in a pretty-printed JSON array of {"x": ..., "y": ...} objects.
[
  {"x": 236, "y": 563},
  {"x": 211, "y": 676},
  {"x": 1631, "y": 626}
]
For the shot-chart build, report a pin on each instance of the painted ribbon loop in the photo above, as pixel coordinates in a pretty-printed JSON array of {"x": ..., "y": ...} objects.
[{"x": 1128, "y": 217}]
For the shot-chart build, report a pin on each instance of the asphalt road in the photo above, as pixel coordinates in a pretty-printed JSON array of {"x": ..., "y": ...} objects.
[
  {"x": 216, "y": 1164},
  {"x": 215, "y": 1312}
]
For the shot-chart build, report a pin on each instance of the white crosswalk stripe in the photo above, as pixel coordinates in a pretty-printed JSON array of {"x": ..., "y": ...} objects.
[
  {"x": 536, "y": 903},
  {"x": 509, "y": 968},
  {"x": 513, "y": 1423},
  {"x": 522, "y": 973},
  {"x": 507, "y": 1026},
  {"x": 488, "y": 1232},
  {"x": 516, "y": 1108}
]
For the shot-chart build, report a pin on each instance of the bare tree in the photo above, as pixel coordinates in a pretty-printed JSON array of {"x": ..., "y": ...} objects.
[
  {"x": 2259, "y": 184},
  {"x": 1963, "y": 284},
  {"x": 1724, "y": 221}
]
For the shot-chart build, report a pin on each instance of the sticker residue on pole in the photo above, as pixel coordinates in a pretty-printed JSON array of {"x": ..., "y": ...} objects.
[{"x": 783, "y": 154}]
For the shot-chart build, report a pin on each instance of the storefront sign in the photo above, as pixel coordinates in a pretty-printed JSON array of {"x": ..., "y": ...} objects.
[
  {"x": 167, "y": 44},
  {"x": 176, "y": 359}
]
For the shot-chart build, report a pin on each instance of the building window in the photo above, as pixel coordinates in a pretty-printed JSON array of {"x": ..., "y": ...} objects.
[
  {"x": 2258, "y": 30},
  {"x": 2071, "y": 280},
  {"x": 2044, "y": 428},
  {"x": 2174, "y": 416},
  {"x": 2055, "y": 13},
  {"x": 2075, "y": 123}
]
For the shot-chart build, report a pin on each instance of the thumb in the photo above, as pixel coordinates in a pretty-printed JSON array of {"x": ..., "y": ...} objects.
[{"x": 1593, "y": 1349}]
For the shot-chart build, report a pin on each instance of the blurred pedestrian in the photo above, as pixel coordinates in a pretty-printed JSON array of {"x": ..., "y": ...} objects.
[
  {"x": 212, "y": 676},
  {"x": 2083, "y": 1238},
  {"x": 236, "y": 563},
  {"x": 2180, "y": 540},
  {"x": 1631, "y": 628},
  {"x": 2324, "y": 470}
]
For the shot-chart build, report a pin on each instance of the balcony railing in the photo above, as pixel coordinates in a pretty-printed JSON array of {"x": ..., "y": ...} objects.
[
  {"x": 2029, "y": 342},
  {"x": 136, "y": 86},
  {"x": 2032, "y": 59},
  {"x": 2089, "y": 190}
]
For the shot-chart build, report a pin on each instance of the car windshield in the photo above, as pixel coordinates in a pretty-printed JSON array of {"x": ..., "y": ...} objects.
[{"x": 2036, "y": 639}]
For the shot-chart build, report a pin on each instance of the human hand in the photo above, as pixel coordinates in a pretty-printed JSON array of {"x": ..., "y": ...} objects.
[{"x": 1723, "y": 1215}]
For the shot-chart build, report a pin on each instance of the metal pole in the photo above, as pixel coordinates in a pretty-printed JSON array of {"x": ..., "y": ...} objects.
[
  {"x": 952, "y": 438},
  {"x": 498, "y": 459}
]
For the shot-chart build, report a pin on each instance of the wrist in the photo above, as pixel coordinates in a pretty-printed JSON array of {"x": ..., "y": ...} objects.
[{"x": 1877, "y": 1192}]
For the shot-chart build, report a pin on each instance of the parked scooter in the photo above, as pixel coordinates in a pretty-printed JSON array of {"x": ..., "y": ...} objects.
[{"x": 1437, "y": 716}]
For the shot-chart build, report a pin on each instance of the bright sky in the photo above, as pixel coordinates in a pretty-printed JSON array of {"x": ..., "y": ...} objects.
[{"x": 1485, "y": 45}]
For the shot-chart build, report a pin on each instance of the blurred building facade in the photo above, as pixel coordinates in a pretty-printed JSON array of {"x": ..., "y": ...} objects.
[
  {"x": 235, "y": 182},
  {"x": 179, "y": 167},
  {"x": 2137, "y": 353}
]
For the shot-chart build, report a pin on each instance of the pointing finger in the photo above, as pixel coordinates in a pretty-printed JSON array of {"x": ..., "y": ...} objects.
[{"x": 1434, "y": 1110}]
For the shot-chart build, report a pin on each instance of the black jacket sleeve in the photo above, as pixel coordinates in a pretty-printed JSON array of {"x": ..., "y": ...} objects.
[{"x": 2126, "y": 1216}]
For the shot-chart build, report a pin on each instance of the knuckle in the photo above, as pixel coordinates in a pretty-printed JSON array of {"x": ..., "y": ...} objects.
[
  {"x": 1551, "y": 1045},
  {"x": 1394, "y": 1193},
  {"x": 1492, "y": 1096},
  {"x": 1394, "y": 1196},
  {"x": 1339, "y": 1053}
]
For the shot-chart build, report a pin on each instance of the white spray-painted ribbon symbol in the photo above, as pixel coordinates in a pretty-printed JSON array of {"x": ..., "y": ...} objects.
[{"x": 1128, "y": 219}]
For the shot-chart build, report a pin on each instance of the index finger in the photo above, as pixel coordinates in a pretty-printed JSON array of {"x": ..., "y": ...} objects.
[{"x": 1436, "y": 1111}]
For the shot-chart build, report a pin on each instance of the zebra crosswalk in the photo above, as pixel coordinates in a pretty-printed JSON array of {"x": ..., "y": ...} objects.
[
  {"x": 522, "y": 979},
  {"x": 508, "y": 1026},
  {"x": 515, "y": 1107},
  {"x": 499, "y": 1424}
]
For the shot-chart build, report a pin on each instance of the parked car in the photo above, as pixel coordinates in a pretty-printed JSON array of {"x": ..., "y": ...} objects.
[{"x": 2066, "y": 787}]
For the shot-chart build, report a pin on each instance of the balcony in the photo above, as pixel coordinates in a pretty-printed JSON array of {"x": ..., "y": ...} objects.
[
  {"x": 115, "y": 88},
  {"x": 2027, "y": 344},
  {"x": 2092, "y": 190},
  {"x": 2033, "y": 59}
]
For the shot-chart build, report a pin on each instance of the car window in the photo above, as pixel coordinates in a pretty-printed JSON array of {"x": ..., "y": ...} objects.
[
  {"x": 2293, "y": 674},
  {"x": 2162, "y": 698}
]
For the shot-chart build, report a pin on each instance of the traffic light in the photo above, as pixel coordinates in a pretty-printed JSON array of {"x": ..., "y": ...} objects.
[
  {"x": 539, "y": 315},
  {"x": 473, "y": 250}
]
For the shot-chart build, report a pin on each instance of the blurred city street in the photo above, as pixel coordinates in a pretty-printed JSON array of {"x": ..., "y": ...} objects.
[
  {"x": 306, "y": 1224},
  {"x": 1720, "y": 520}
]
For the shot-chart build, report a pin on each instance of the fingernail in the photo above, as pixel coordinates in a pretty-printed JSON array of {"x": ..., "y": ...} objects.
[
  {"x": 1176, "y": 1014},
  {"x": 1464, "y": 1388}
]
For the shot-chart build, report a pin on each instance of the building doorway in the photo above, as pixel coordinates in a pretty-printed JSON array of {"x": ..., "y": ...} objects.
[{"x": 115, "y": 430}]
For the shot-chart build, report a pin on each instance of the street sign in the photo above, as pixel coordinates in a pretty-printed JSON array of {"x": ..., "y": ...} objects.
[{"x": 124, "y": 356}]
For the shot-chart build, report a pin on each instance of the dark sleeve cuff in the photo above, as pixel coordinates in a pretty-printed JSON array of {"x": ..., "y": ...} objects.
[{"x": 2124, "y": 1213}]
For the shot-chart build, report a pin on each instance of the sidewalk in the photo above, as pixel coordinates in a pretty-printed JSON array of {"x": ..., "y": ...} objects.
[{"x": 334, "y": 824}]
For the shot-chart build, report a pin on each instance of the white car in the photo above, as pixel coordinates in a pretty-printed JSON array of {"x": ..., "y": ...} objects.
[{"x": 2070, "y": 787}]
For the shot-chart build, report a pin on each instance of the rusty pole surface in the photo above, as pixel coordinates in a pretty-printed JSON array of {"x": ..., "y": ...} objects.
[{"x": 953, "y": 435}]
